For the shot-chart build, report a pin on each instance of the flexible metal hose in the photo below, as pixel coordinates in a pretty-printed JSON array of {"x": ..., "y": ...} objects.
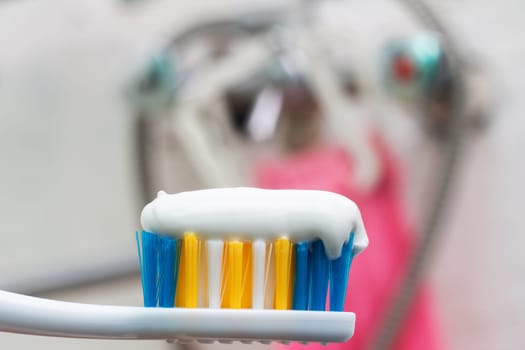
[{"x": 430, "y": 233}]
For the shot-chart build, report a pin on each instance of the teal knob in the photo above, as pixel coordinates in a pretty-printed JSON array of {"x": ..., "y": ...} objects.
[
  {"x": 155, "y": 86},
  {"x": 410, "y": 67}
]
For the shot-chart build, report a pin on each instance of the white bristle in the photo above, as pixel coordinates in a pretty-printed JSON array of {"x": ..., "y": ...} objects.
[
  {"x": 259, "y": 255},
  {"x": 214, "y": 250},
  {"x": 269, "y": 278}
]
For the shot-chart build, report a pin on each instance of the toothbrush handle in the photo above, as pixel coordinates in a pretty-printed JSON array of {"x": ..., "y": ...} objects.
[{"x": 36, "y": 316}]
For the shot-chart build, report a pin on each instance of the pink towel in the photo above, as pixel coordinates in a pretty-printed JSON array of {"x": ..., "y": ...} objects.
[{"x": 376, "y": 273}]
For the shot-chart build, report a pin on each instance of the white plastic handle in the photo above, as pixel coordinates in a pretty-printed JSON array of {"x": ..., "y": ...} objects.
[{"x": 30, "y": 315}]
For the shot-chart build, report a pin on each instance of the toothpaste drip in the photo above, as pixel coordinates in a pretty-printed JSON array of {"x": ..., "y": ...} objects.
[{"x": 250, "y": 213}]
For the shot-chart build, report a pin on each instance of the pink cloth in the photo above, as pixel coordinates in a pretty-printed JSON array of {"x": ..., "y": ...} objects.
[{"x": 376, "y": 273}]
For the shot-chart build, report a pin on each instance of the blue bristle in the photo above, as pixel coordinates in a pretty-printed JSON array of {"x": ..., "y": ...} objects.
[
  {"x": 178, "y": 251},
  {"x": 139, "y": 250},
  {"x": 319, "y": 272},
  {"x": 340, "y": 269},
  {"x": 300, "y": 291},
  {"x": 168, "y": 267},
  {"x": 149, "y": 266}
]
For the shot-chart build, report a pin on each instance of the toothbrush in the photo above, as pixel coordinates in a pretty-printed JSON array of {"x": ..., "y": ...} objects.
[
  {"x": 221, "y": 265},
  {"x": 252, "y": 250}
]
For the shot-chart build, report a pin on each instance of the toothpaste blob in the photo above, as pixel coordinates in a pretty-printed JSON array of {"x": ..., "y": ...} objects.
[{"x": 251, "y": 213}]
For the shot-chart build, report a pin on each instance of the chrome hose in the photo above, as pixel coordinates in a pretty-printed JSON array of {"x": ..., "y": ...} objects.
[{"x": 452, "y": 146}]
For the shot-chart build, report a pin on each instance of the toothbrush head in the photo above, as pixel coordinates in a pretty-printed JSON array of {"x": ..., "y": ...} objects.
[{"x": 265, "y": 258}]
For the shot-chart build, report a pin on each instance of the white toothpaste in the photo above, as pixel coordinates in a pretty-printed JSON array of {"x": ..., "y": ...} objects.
[{"x": 245, "y": 213}]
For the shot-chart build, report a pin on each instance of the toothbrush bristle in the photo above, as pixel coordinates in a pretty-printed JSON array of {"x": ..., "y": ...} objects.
[
  {"x": 300, "y": 296},
  {"x": 283, "y": 275},
  {"x": 214, "y": 251},
  {"x": 233, "y": 275},
  {"x": 258, "y": 274},
  {"x": 247, "y": 276},
  {"x": 319, "y": 272},
  {"x": 168, "y": 266},
  {"x": 187, "y": 293},
  {"x": 340, "y": 269},
  {"x": 149, "y": 253},
  {"x": 283, "y": 267}
]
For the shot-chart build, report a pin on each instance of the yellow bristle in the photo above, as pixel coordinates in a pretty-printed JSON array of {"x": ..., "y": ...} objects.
[
  {"x": 188, "y": 279},
  {"x": 233, "y": 275},
  {"x": 247, "y": 280},
  {"x": 224, "y": 278},
  {"x": 203, "y": 275},
  {"x": 283, "y": 269},
  {"x": 292, "y": 276}
]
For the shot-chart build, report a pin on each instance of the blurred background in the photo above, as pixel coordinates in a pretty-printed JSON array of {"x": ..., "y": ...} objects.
[{"x": 105, "y": 102}]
